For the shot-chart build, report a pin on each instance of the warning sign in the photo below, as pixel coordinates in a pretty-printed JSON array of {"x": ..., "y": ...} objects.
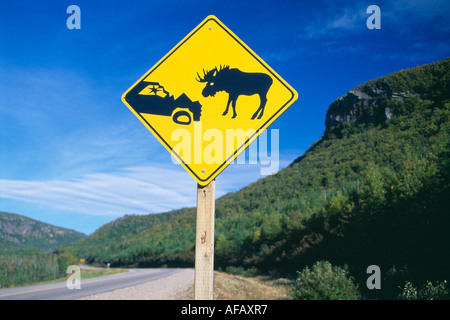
[{"x": 208, "y": 99}]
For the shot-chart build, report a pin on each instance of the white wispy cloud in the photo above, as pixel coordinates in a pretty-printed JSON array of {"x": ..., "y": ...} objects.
[{"x": 132, "y": 190}]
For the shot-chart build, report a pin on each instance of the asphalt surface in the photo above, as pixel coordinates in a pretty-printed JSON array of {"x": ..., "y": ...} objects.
[{"x": 60, "y": 291}]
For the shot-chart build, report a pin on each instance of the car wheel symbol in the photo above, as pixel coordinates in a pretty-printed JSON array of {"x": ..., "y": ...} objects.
[{"x": 177, "y": 115}]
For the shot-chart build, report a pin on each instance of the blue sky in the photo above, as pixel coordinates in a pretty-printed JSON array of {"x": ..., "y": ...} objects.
[{"x": 73, "y": 155}]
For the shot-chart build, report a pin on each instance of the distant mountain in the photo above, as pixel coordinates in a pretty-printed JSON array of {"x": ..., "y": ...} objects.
[
  {"x": 19, "y": 232},
  {"x": 373, "y": 190}
]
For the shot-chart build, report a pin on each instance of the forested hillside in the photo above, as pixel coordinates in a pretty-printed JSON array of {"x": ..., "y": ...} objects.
[
  {"x": 28, "y": 250},
  {"x": 373, "y": 190},
  {"x": 19, "y": 232}
]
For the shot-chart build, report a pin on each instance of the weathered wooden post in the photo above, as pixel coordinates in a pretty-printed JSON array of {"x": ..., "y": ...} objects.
[{"x": 204, "y": 242}]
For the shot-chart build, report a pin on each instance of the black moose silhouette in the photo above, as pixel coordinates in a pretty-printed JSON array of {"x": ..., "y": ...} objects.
[{"x": 236, "y": 82}]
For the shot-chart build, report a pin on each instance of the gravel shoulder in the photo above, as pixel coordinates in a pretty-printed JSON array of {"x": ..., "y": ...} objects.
[{"x": 173, "y": 287}]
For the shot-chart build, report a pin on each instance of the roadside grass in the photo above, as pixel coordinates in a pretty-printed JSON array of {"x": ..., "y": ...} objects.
[
  {"x": 98, "y": 272},
  {"x": 238, "y": 287}
]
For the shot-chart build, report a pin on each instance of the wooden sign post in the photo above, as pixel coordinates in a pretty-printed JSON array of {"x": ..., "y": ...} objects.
[{"x": 204, "y": 242}]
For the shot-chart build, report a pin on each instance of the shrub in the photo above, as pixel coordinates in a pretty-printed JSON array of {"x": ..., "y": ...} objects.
[
  {"x": 428, "y": 291},
  {"x": 324, "y": 282}
]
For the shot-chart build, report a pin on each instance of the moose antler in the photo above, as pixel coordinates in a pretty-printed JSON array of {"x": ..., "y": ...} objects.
[
  {"x": 200, "y": 78},
  {"x": 207, "y": 76}
]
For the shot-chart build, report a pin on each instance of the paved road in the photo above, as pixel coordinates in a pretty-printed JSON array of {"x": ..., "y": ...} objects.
[{"x": 59, "y": 291}]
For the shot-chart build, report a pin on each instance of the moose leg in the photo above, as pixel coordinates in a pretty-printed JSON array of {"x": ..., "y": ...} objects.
[
  {"x": 261, "y": 108},
  {"x": 228, "y": 105},
  {"x": 233, "y": 104}
]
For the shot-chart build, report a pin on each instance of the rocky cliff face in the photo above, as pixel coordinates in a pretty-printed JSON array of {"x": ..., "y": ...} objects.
[{"x": 365, "y": 103}]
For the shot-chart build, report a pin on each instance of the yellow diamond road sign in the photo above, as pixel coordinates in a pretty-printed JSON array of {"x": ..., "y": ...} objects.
[{"x": 208, "y": 99}]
